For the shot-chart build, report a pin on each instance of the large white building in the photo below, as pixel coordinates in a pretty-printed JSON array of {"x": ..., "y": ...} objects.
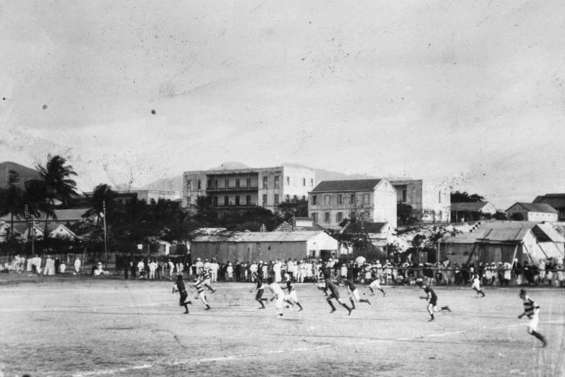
[
  {"x": 330, "y": 202},
  {"x": 240, "y": 187},
  {"x": 430, "y": 202}
]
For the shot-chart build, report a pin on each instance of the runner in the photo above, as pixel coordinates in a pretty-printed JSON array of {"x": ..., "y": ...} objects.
[
  {"x": 180, "y": 287},
  {"x": 432, "y": 301},
  {"x": 531, "y": 310}
]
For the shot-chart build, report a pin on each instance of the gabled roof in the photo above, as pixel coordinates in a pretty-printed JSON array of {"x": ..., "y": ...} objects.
[
  {"x": 554, "y": 200},
  {"x": 535, "y": 207},
  {"x": 286, "y": 227},
  {"x": 468, "y": 206},
  {"x": 364, "y": 227},
  {"x": 75, "y": 214},
  {"x": 300, "y": 236},
  {"x": 347, "y": 185},
  {"x": 513, "y": 232}
]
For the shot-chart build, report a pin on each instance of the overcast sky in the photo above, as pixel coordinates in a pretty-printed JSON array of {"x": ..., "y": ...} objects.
[{"x": 470, "y": 92}]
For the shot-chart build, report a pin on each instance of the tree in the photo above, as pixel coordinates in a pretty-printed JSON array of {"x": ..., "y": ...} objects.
[
  {"x": 56, "y": 176},
  {"x": 294, "y": 208},
  {"x": 405, "y": 214},
  {"x": 103, "y": 195},
  {"x": 12, "y": 199},
  {"x": 465, "y": 197}
]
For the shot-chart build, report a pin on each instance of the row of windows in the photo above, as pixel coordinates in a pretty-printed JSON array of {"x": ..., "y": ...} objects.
[
  {"x": 339, "y": 199},
  {"x": 246, "y": 182},
  {"x": 339, "y": 217}
]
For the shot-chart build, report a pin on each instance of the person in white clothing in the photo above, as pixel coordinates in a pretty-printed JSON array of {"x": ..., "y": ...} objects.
[
  {"x": 278, "y": 295},
  {"x": 77, "y": 265}
]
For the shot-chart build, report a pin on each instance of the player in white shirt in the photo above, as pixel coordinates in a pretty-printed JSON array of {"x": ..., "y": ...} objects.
[
  {"x": 476, "y": 285},
  {"x": 278, "y": 295},
  {"x": 376, "y": 285}
]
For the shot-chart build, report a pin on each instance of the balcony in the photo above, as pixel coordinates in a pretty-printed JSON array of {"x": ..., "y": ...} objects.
[{"x": 232, "y": 189}]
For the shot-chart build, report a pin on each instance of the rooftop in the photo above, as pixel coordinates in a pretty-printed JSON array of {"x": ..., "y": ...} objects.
[
  {"x": 349, "y": 185},
  {"x": 536, "y": 207},
  {"x": 298, "y": 236}
]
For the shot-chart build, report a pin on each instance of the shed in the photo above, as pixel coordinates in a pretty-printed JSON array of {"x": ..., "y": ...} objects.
[
  {"x": 504, "y": 241},
  {"x": 254, "y": 246}
]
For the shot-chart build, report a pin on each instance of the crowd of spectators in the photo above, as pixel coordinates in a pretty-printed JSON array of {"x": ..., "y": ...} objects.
[{"x": 545, "y": 273}]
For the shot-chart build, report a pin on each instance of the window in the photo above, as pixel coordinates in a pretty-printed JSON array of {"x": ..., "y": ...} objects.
[
  {"x": 276, "y": 199},
  {"x": 327, "y": 217},
  {"x": 199, "y": 184},
  {"x": 303, "y": 181},
  {"x": 352, "y": 199},
  {"x": 327, "y": 200},
  {"x": 226, "y": 182},
  {"x": 339, "y": 199},
  {"x": 366, "y": 199},
  {"x": 404, "y": 195},
  {"x": 215, "y": 201},
  {"x": 237, "y": 182},
  {"x": 215, "y": 183},
  {"x": 226, "y": 200},
  {"x": 237, "y": 200},
  {"x": 189, "y": 185},
  {"x": 265, "y": 182},
  {"x": 277, "y": 181},
  {"x": 439, "y": 197},
  {"x": 311, "y": 181},
  {"x": 288, "y": 180},
  {"x": 248, "y": 200},
  {"x": 339, "y": 217},
  {"x": 264, "y": 200},
  {"x": 248, "y": 181},
  {"x": 314, "y": 200},
  {"x": 314, "y": 217}
]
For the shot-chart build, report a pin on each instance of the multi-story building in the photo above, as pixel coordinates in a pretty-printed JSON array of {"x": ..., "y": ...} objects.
[
  {"x": 330, "y": 202},
  {"x": 237, "y": 188},
  {"x": 155, "y": 195},
  {"x": 430, "y": 202}
]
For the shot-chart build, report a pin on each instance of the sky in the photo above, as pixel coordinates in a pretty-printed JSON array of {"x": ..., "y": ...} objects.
[{"x": 470, "y": 93}]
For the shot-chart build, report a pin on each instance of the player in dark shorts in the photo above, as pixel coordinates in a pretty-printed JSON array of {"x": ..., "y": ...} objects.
[
  {"x": 180, "y": 287},
  {"x": 353, "y": 293},
  {"x": 260, "y": 290},
  {"x": 333, "y": 294},
  {"x": 431, "y": 297}
]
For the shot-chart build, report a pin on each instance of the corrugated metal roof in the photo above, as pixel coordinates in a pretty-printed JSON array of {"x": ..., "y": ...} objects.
[
  {"x": 494, "y": 232},
  {"x": 298, "y": 236},
  {"x": 347, "y": 185}
]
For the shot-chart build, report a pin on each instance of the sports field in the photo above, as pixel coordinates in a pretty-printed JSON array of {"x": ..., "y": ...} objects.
[{"x": 135, "y": 328}]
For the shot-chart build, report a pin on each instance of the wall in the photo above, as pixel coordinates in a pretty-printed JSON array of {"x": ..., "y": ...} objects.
[
  {"x": 297, "y": 181},
  {"x": 249, "y": 251},
  {"x": 429, "y": 200},
  {"x": 541, "y": 216},
  {"x": 193, "y": 193}
]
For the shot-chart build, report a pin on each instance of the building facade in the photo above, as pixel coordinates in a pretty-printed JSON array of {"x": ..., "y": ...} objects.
[
  {"x": 537, "y": 212},
  {"x": 471, "y": 211},
  {"x": 557, "y": 201},
  {"x": 430, "y": 202},
  {"x": 331, "y": 202},
  {"x": 248, "y": 187},
  {"x": 155, "y": 195}
]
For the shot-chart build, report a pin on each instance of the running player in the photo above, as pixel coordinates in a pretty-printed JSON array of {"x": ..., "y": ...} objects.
[
  {"x": 334, "y": 294},
  {"x": 291, "y": 297},
  {"x": 432, "y": 301},
  {"x": 206, "y": 277},
  {"x": 278, "y": 295},
  {"x": 199, "y": 285},
  {"x": 180, "y": 287},
  {"x": 353, "y": 293},
  {"x": 376, "y": 285},
  {"x": 260, "y": 290},
  {"x": 476, "y": 285},
  {"x": 531, "y": 310}
]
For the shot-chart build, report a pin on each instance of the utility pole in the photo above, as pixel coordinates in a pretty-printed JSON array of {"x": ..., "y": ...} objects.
[{"x": 105, "y": 233}]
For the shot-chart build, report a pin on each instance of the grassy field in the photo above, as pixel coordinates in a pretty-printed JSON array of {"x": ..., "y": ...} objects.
[{"x": 135, "y": 328}]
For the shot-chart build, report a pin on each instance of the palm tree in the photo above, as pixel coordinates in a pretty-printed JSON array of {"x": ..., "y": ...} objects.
[
  {"x": 102, "y": 195},
  {"x": 12, "y": 199},
  {"x": 59, "y": 187}
]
